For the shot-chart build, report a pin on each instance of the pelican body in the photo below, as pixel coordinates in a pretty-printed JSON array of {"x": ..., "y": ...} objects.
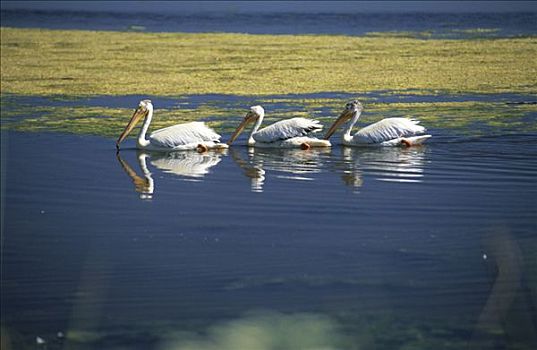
[
  {"x": 387, "y": 132},
  {"x": 289, "y": 133},
  {"x": 180, "y": 137}
]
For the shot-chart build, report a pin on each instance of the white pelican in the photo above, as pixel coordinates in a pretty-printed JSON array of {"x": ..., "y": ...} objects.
[
  {"x": 387, "y": 132},
  {"x": 289, "y": 133},
  {"x": 180, "y": 137}
]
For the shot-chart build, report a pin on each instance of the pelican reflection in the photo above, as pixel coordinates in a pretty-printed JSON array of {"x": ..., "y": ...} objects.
[
  {"x": 190, "y": 166},
  {"x": 144, "y": 184},
  {"x": 254, "y": 172},
  {"x": 384, "y": 164},
  {"x": 294, "y": 164}
]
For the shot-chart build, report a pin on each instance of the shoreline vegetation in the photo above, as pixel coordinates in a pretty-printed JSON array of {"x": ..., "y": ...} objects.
[{"x": 43, "y": 62}]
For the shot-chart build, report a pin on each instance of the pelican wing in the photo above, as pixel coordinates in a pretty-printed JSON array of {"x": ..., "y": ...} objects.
[
  {"x": 389, "y": 129},
  {"x": 183, "y": 134},
  {"x": 287, "y": 129}
]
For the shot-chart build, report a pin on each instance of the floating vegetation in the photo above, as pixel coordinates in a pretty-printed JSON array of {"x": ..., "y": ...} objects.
[
  {"x": 461, "y": 115},
  {"x": 464, "y": 34},
  {"x": 401, "y": 34},
  {"x": 99, "y": 120},
  {"x": 75, "y": 63},
  {"x": 467, "y": 117},
  {"x": 477, "y": 30}
]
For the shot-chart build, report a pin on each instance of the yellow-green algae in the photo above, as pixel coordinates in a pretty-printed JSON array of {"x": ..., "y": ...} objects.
[
  {"x": 476, "y": 30},
  {"x": 401, "y": 34},
  {"x": 459, "y": 115},
  {"x": 470, "y": 33},
  {"x": 75, "y": 62},
  {"x": 110, "y": 122},
  {"x": 100, "y": 121}
]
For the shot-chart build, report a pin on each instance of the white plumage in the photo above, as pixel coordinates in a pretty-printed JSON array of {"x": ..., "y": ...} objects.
[
  {"x": 287, "y": 129},
  {"x": 181, "y": 137},
  {"x": 183, "y": 134},
  {"x": 289, "y": 133},
  {"x": 388, "y": 129},
  {"x": 387, "y": 132}
]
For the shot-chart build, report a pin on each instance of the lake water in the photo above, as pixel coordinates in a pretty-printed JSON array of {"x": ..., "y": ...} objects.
[
  {"x": 443, "y": 25},
  {"x": 431, "y": 247},
  {"x": 428, "y": 247}
]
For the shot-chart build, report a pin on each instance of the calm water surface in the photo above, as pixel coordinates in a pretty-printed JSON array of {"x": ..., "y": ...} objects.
[
  {"x": 443, "y": 25},
  {"x": 419, "y": 248},
  {"x": 422, "y": 248}
]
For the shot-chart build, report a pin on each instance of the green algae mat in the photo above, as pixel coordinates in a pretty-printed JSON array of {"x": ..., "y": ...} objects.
[
  {"x": 75, "y": 63},
  {"x": 466, "y": 118},
  {"x": 285, "y": 73}
]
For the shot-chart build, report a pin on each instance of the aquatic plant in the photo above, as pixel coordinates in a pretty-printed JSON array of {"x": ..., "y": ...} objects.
[
  {"x": 75, "y": 62},
  {"x": 401, "y": 34},
  {"x": 476, "y": 30},
  {"x": 109, "y": 122}
]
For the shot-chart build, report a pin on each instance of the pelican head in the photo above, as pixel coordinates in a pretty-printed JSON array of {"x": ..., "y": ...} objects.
[
  {"x": 351, "y": 108},
  {"x": 141, "y": 112},
  {"x": 253, "y": 115}
]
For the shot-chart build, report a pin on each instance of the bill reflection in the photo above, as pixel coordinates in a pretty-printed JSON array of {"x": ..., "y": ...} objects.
[{"x": 144, "y": 184}]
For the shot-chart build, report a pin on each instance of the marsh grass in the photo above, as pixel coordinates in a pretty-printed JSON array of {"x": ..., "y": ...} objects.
[{"x": 74, "y": 62}]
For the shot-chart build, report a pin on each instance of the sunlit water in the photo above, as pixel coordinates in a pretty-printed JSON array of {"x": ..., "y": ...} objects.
[{"x": 430, "y": 247}]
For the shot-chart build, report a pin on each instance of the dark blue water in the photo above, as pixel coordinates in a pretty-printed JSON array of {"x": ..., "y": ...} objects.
[
  {"x": 430, "y": 247},
  {"x": 421, "y": 248},
  {"x": 443, "y": 25}
]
